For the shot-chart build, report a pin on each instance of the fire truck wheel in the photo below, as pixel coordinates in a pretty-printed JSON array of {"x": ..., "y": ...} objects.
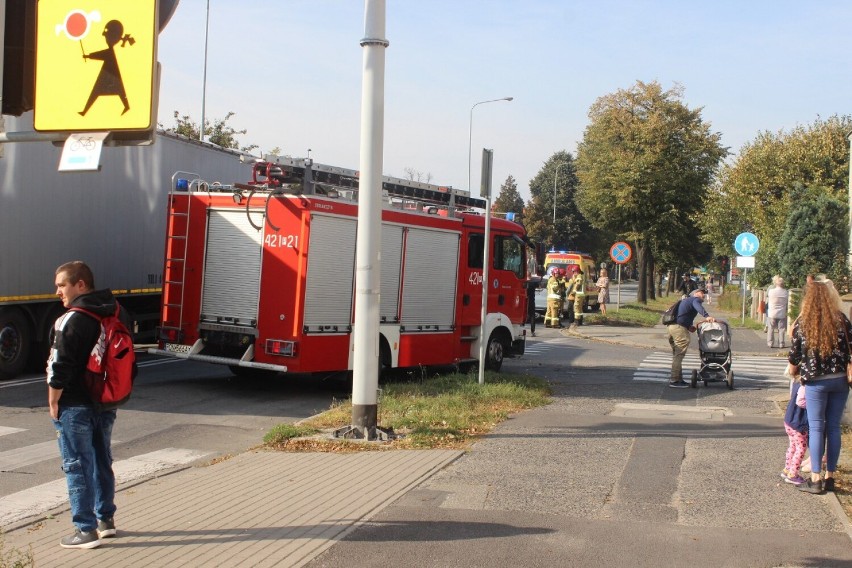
[
  {"x": 384, "y": 358},
  {"x": 15, "y": 342},
  {"x": 494, "y": 353}
]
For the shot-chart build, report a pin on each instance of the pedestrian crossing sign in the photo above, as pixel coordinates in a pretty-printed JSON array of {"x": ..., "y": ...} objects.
[{"x": 95, "y": 65}]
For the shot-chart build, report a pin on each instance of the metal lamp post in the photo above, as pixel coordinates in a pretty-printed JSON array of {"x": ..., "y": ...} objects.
[
  {"x": 470, "y": 132},
  {"x": 849, "y": 189},
  {"x": 204, "y": 79},
  {"x": 555, "y": 179}
]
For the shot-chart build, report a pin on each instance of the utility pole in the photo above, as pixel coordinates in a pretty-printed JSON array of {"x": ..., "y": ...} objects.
[{"x": 368, "y": 270}]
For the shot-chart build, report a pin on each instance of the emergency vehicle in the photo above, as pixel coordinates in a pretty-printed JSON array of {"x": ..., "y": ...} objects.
[
  {"x": 260, "y": 276},
  {"x": 570, "y": 261}
]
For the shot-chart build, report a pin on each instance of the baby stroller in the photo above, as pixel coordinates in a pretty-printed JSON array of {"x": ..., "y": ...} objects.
[{"x": 714, "y": 347}]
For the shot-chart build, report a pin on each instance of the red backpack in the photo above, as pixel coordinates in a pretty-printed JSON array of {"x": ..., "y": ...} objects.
[{"x": 112, "y": 363}]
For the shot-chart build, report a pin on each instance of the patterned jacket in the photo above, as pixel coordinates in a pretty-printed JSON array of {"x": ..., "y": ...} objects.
[{"x": 813, "y": 368}]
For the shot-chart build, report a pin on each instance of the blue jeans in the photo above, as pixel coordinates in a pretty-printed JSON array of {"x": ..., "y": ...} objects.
[
  {"x": 84, "y": 443},
  {"x": 826, "y": 400}
]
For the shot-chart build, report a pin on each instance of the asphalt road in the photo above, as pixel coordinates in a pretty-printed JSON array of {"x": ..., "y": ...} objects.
[{"x": 196, "y": 407}]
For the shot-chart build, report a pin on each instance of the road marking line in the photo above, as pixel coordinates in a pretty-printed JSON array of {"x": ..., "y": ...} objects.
[
  {"x": 5, "y": 430},
  {"x": 20, "y": 382},
  {"x": 28, "y": 455},
  {"x": 40, "y": 499}
]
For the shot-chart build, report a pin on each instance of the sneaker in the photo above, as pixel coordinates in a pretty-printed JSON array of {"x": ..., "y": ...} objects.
[
  {"x": 784, "y": 474},
  {"x": 798, "y": 480},
  {"x": 679, "y": 384},
  {"x": 81, "y": 539},
  {"x": 828, "y": 484},
  {"x": 809, "y": 486},
  {"x": 106, "y": 528}
]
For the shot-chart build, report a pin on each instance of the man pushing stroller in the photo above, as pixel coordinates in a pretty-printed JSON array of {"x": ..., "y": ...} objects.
[{"x": 679, "y": 333}]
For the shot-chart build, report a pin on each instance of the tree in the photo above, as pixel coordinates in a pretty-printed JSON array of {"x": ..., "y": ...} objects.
[
  {"x": 756, "y": 191},
  {"x": 415, "y": 175},
  {"x": 815, "y": 237},
  {"x": 509, "y": 200},
  {"x": 568, "y": 229},
  {"x": 220, "y": 133},
  {"x": 644, "y": 163}
]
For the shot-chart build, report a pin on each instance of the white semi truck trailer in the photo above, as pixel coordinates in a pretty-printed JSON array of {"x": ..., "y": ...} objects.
[{"x": 113, "y": 219}]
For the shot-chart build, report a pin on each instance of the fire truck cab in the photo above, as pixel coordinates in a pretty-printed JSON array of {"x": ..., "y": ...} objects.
[{"x": 260, "y": 276}]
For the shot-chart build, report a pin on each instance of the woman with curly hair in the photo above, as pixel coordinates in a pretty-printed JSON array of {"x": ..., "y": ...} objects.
[{"x": 820, "y": 353}]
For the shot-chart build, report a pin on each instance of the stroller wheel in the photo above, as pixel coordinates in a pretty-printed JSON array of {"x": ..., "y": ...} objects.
[
  {"x": 694, "y": 382},
  {"x": 730, "y": 380}
]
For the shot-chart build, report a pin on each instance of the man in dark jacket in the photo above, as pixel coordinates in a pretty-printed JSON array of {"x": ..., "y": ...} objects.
[
  {"x": 533, "y": 284},
  {"x": 680, "y": 330},
  {"x": 84, "y": 432},
  {"x": 687, "y": 286}
]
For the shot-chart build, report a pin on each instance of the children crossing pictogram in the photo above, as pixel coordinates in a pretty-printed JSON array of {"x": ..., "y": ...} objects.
[{"x": 109, "y": 79}]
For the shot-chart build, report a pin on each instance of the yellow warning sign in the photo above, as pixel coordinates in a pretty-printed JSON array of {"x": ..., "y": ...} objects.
[{"x": 95, "y": 64}]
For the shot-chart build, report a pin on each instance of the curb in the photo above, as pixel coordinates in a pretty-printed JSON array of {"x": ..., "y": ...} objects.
[{"x": 840, "y": 513}]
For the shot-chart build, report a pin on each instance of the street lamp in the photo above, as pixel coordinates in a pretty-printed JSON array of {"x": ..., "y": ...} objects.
[
  {"x": 849, "y": 190},
  {"x": 204, "y": 79},
  {"x": 470, "y": 132},
  {"x": 555, "y": 179}
]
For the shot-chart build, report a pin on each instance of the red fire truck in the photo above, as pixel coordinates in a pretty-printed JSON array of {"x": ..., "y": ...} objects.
[{"x": 260, "y": 276}]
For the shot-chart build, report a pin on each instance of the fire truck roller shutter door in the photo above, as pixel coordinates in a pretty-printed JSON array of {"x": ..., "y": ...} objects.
[
  {"x": 231, "y": 268},
  {"x": 331, "y": 272},
  {"x": 429, "y": 286}
]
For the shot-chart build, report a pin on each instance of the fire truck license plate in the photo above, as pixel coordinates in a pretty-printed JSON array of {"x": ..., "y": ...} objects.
[{"x": 177, "y": 348}]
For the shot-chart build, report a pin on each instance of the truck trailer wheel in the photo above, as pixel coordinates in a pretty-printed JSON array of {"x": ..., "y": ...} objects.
[
  {"x": 15, "y": 342},
  {"x": 494, "y": 353}
]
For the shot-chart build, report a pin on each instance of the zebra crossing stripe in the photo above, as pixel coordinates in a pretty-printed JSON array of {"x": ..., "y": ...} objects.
[
  {"x": 42, "y": 498},
  {"x": 22, "y": 457},
  {"x": 5, "y": 430},
  {"x": 656, "y": 367}
]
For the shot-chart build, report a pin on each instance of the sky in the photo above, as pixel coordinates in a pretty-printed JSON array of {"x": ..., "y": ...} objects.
[{"x": 291, "y": 71}]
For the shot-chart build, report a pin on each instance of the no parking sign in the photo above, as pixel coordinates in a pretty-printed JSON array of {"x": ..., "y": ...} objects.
[{"x": 621, "y": 252}]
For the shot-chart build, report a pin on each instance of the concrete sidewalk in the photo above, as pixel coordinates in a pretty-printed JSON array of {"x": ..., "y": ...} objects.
[{"x": 260, "y": 508}]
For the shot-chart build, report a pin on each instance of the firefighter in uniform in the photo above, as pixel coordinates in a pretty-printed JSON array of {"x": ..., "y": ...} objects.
[
  {"x": 563, "y": 281},
  {"x": 554, "y": 298},
  {"x": 578, "y": 290}
]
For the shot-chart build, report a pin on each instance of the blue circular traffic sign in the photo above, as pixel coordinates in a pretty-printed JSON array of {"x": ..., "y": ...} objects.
[
  {"x": 621, "y": 252},
  {"x": 746, "y": 244}
]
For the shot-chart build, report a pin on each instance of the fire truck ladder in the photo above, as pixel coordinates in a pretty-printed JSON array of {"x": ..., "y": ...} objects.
[
  {"x": 277, "y": 170},
  {"x": 177, "y": 233}
]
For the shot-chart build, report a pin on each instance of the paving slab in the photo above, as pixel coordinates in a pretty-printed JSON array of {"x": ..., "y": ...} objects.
[{"x": 260, "y": 508}]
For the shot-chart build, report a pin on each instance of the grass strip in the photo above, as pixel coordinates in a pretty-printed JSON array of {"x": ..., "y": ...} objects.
[{"x": 445, "y": 411}]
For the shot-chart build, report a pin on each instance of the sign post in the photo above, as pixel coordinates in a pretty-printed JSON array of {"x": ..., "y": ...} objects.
[
  {"x": 746, "y": 245},
  {"x": 620, "y": 253}
]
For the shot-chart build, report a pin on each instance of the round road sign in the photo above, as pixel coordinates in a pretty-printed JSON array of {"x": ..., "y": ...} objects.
[
  {"x": 746, "y": 244},
  {"x": 621, "y": 253}
]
